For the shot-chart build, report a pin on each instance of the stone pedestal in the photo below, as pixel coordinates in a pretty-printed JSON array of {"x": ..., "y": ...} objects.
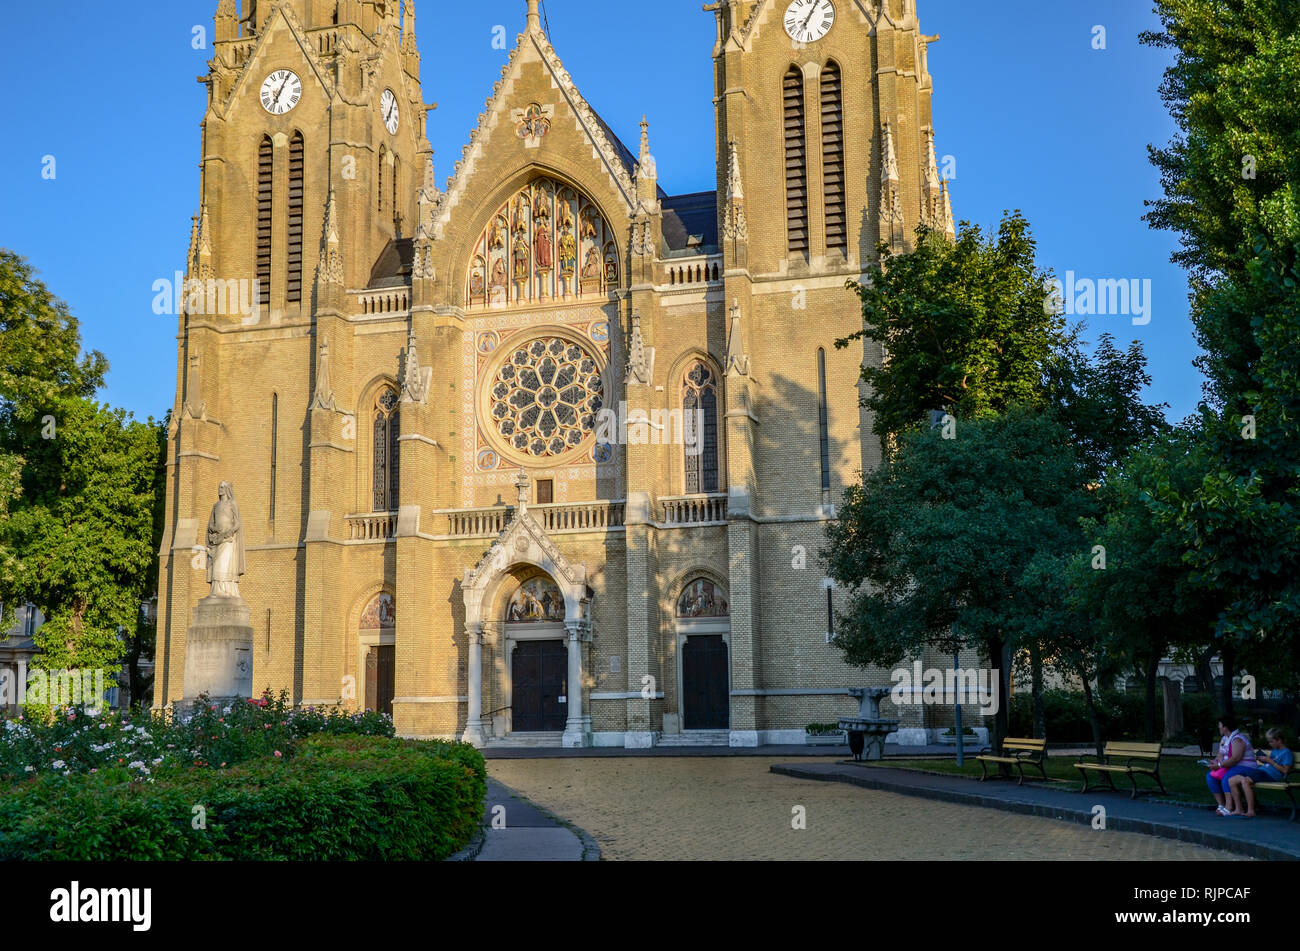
[{"x": 218, "y": 653}]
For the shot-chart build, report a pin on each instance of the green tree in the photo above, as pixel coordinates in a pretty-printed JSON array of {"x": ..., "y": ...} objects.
[
  {"x": 85, "y": 529},
  {"x": 963, "y": 324},
  {"x": 1098, "y": 397},
  {"x": 1231, "y": 182},
  {"x": 1133, "y": 583},
  {"x": 933, "y": 547},
  {"x": 79, "y": 484}
]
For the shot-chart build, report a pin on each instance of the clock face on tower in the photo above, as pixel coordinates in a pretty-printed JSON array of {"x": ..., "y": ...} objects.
[
  {"x": 807, "y": 21},
  {"x": 392, "y": 116},
  {"x": 281, "y": 92}
]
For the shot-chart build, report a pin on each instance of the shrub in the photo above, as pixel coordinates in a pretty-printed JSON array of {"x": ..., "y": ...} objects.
[
  {"x": 823, "y": 729},
  {"x": 1122, "y": 716},
  {"x": 340, "y": 798},
  {"x": 71, "y": 741}
]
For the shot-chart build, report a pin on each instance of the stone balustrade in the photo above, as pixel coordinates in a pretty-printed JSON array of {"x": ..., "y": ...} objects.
[
  {"x": 372, "y": 528},
  {"x": 694, "y": 510}
]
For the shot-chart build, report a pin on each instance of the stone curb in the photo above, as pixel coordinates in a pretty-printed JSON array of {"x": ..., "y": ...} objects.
[
  {"x": 1166, "y": 830},
  {"x": 471, "y": 851},
  {"x": 590, "y": 848}
]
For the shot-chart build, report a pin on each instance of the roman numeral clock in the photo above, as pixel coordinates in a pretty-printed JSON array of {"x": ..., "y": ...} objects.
[
  {"x": 281, "y": 91},
  {"x": 807, "y": 21}
]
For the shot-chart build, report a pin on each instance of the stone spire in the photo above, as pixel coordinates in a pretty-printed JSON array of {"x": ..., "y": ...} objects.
[
  {"x": 647, "y": 170},
  {"x": 415, "y": 388},
  {"x": 737, "y": 358},
  {"x": 890, "y": 218},
  {"x": 932, "y": 186},
  {"x": 946, "y": 222},
  {"x": 331, "y": 263},
  {"x": 734, "y": 225},
  {"x": 639, "y": 360},
  {"x": 410, "y": 50},
  {"x": 193, "y": 258},
  {"x": 888, "y": 157},
  {"x": 324, "y": 395},
  {"x": 522, "y": 485},
  {"x": 534, "y": 17},
  {"x": 227, "y": 21},
  {"x": 204, "y": 254}
]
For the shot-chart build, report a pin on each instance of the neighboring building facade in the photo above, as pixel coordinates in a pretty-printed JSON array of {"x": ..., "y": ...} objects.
[
  {"x": 437, "y": 521},
  {"x": 17, "y": 650}
]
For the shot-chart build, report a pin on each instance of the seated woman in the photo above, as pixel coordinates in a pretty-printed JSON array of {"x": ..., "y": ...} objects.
[
  {"x": 1236, "y": 753},
  {"x": 1272, "y": 768}
]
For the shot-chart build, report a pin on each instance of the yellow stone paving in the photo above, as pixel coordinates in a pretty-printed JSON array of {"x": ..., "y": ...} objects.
[{"x": 733, "y": 808}]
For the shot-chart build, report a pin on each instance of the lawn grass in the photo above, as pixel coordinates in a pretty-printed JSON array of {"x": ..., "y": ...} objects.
[{"x": 1183, "y": 778}]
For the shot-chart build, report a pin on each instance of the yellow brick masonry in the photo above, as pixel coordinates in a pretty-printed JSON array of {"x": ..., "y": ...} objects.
[{"x": 309, "y": 580}]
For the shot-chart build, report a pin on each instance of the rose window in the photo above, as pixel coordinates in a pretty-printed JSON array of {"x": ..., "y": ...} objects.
[{"x": 546, "y": 397}]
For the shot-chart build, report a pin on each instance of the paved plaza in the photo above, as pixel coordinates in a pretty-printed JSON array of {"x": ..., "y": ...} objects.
[{"x": 734, "y": 808}]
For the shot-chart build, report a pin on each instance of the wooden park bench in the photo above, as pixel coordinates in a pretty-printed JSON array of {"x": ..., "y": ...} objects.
[
  {"x": 1018, "y": 752},
  {"x": 1139, "y": 759},
  {"x": 1289, "y": 784}
]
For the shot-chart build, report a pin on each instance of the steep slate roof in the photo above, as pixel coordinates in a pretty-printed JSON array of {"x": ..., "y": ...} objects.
[
  {"x": 396, "y": 261},
  {"x": 685, "y": 216}
]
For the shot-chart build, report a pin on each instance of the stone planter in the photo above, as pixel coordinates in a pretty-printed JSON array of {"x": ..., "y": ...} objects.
[
  {"x": 825, "y": 739},
  {"x": 970, "y": 740}
]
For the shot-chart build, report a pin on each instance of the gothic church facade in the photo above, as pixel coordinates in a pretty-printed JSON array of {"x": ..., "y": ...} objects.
[{"x": 437, "y": 520}]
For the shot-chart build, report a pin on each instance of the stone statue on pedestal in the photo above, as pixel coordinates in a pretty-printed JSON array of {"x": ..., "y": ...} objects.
[
  {"x": 226, "y": 564},
  {"x": 219, "y": 642}
]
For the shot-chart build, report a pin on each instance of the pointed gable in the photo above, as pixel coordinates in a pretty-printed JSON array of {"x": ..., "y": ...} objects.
[
  {"x": 566, "y": 115},
  {"x": 281, "y": 19}
]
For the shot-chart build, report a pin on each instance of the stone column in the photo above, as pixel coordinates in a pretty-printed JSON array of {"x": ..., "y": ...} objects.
[
  {"x": 20, "y": 689},
  {"x": 474, "y": 726},
  {"x": 575, "y": 730}
]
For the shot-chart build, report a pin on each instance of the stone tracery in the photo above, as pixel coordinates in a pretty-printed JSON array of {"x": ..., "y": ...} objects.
[{"x": 548, "y": 242}]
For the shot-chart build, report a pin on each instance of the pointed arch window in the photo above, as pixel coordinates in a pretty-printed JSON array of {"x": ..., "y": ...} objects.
[
  {"x": 823, "y": 421},
  {"x": 700, "y": 410},
  {"x": 265, "y": 193},
  {"x": 383, "y": 161},
  {"x": 293, "y": 286},
  {"x": 837, "y": 234},
  {"x": 796, "y": 162},
  {"x": 387, "y": 430}
]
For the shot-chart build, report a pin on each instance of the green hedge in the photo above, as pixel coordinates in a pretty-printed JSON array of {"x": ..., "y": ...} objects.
[
  {"x": 339, "y": 798},
  {"x": 1122, "y": 715}
]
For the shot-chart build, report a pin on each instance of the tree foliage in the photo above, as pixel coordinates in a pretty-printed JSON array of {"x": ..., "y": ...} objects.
[
  {"x": 1231, "y": 181},
  {"x": 83, "y": 481},
  {"x": 963, "y": 325}
]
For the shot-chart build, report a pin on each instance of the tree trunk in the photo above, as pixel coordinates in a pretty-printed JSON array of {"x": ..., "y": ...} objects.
[
  {"x": 1205, "y": 672},
  {"x": 1092, "y": 712},
  {"x": 1173, "y": 696},
  {"x": 997, "y": 651},
  {"x": 1153, "y": 668},
  {"x": 1036, "y": 686},
  {"x": 1229, "y": 672}
]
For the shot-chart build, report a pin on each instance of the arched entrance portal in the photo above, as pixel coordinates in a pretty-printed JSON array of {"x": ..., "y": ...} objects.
[
  {"x": 524, "y": 576},
  {"x": 377, "y": 641},
  {"x": 537, "y": 657},
  {"x": 703, "y": 638}
]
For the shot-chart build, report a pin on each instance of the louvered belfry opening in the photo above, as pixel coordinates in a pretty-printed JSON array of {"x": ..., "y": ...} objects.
[
  {"x": 265, "y": 169},
  {"x": 293, "y": 289},
  {"x": 837, "y": 231},
  {"x": 796, "y": 163},
  {"x": 383, "y": 159},
  {"x": 397, "y": 218}
]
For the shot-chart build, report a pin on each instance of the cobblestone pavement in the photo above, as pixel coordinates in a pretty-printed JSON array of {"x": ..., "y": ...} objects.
[{"x": 735, "y": 809}]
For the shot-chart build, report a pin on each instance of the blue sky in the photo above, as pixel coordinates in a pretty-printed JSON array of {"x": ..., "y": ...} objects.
[{"x": 1035, "y": 118}]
